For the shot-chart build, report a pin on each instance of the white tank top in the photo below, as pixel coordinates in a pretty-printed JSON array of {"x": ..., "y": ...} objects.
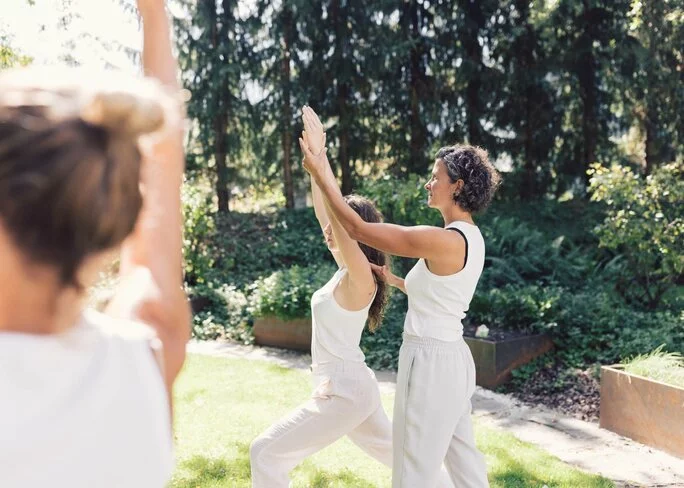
[
  {"x": 336, "y": 331},
  {"x": 438, "y": 304},
  {"x": 84, "y": 408}
]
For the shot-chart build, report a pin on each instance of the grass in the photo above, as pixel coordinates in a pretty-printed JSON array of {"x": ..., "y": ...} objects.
[
  {"x": 666, "y": 367},
  {"x": 222, "y": 404}
]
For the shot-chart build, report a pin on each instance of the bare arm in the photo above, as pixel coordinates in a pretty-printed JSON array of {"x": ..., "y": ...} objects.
[
  {"x": 156, "y": 243},
  {"x": 422, "y": 241},
  {"x": 360, "y": 283},
  {"x": 322, "y": 217}
]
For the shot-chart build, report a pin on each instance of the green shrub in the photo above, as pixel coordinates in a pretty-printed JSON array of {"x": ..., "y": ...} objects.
[
  {"x": 594, "y": 326},
  {"x": 644, "y": 223},
  {"x": 221, "y": 313},
  {"x": 517, "y": 253},
  {"x": 402, "y": 202},
  {"x": 246, "y": 247},
  {"x": 525, "y": 308},
  {"x": 588, "y": 325},
  {"x": 198, "y": 231},
  {"x": 286, "y": 294}
]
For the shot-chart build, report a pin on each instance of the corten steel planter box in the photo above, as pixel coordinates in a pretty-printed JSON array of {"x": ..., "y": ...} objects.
[
  {"x": 289, "y": 334},
  {"x": 495, "y": 359},
  {"x": 642, "y": 409}
]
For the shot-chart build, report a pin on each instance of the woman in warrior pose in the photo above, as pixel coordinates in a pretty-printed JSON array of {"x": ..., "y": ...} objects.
[{"x": 436, "y": 377}]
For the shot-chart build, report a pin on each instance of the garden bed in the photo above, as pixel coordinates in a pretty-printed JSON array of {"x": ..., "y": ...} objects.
[
  {"x": 571, "y": 391},
  {"x": 643, "y": 409},
  {"x": 288, "y": 334},
  {"x": 497, "y": 355}
]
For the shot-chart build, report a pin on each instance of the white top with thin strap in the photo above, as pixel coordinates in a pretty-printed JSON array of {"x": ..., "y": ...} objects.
[
  {"x": 84, "y": 408},
  {"x": 438, "y": 304},
  {"x": 336, "y": 331}
]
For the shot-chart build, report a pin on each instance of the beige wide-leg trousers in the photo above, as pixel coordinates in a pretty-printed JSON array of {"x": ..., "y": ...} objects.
[
  {"x": 345, "y": 401},
  {"x": 432, "y": 423}
]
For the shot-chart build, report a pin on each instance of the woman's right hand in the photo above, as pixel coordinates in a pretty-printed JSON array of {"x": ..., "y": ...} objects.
[{"x": 384, "y": 274}]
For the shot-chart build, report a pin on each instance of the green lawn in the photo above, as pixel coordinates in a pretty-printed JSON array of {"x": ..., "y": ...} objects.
[{"x": 222, "y": 404}]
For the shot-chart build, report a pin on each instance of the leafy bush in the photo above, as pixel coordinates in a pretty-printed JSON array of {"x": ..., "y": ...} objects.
[
  {"x": 524, "y": 308},
  {"x": 594, "y": 325},
  {"x": 220, "y": 313},
  {"x": 197, "y": 233},
  {"x": 248, "y": 246},
  {"x": 517, "y": 253},
  {"x": 644, "y": 223},
  {"x": 588, "y": 325},
  {"x": 402, "y": 202},
  {"x": 286, "y": 294}
]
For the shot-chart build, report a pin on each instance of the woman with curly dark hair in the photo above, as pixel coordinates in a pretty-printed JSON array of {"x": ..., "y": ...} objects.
[{"x": 436, "y": 377}]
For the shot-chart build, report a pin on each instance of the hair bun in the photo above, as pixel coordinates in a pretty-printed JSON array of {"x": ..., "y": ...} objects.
[
  {"x": 121, "y": 104},
  {"x": 125, "y": 113}
]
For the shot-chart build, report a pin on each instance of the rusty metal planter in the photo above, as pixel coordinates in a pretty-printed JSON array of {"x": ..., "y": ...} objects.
[
  {"x": 496, "y": 359},
  {"x": 642, "y": 409},
  {"x": 288, "y": 334}
]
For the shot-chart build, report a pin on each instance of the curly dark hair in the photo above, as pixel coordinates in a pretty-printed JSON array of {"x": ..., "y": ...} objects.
[{"x": 480, "y": 179}]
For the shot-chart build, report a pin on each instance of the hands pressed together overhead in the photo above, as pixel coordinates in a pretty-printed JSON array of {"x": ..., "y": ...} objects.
[{"x": 312, "y": 143}]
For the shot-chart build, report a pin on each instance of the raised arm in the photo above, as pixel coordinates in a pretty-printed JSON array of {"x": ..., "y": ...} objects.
[
  {"x": 431, "y": 243},
  {"x": 361, "y": 282},
  {"x": 323, "y": 219},
  {"x": 155, "y": 248}
]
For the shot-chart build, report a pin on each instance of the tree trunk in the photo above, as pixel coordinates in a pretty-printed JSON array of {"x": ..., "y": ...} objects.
[
  {"x": 529, "y": 189},
  {"x": 418, "y": 161},
  {"x": 222, "y": 191},
  {"x": 650, "y": 114},
  {"x": 343, "y": 157},
  {"x": 587, "y": 76},
  {"x": 474, "y": 22},
  {"x": 286, "y": 129},
  {"x": 220, "y": 118},
  {"x": 343, "y": 91}
]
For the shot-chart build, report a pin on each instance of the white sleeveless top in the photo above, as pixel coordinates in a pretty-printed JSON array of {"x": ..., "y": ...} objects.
[
  {"x": 84, "y": 408},
  {"x": 336, "y": 332},
  {"x": 438, "y": 304}
]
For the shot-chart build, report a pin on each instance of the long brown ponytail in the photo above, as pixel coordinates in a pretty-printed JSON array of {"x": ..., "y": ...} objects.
[{"x": 369, "y": 213}]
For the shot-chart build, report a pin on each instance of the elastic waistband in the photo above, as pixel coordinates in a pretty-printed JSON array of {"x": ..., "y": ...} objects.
[
  {"x": 338, "y": 367},
  {"x": 432, "y": 343}
]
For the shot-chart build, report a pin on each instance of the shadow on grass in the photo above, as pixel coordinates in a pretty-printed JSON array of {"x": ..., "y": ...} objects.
[
  {"x": 201, "y": 470},
  {"x": 235, "y": 472},
  {"x": 345, "y": 478},
  {"x": 514, "y": 474}
]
